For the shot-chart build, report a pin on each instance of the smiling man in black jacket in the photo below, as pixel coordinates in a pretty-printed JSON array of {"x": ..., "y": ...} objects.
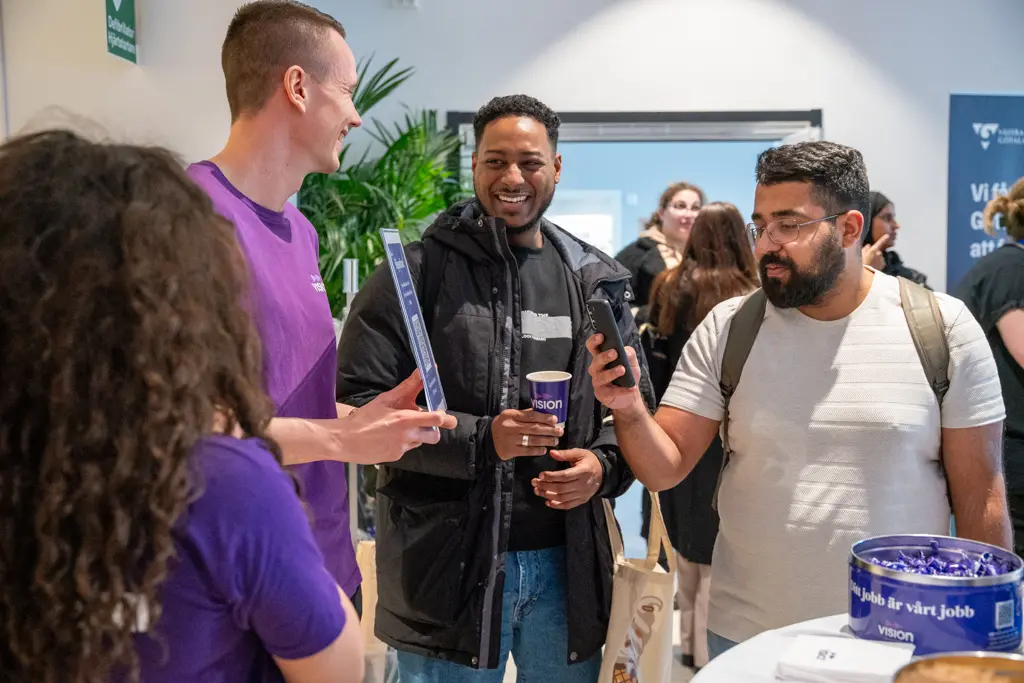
[{"x": 493, "y": 541}]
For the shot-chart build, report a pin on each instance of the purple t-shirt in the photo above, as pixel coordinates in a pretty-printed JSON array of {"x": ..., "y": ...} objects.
[
  {"x": 248, "y": 581},
  {"x": 299, "y": 348}
]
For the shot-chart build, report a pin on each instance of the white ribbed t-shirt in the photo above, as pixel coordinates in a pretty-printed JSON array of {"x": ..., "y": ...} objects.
[{"x": 836, "y": 438}]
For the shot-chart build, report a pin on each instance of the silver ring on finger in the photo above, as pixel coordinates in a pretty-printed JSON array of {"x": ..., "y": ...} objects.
[{"x": 526, "y": 440}]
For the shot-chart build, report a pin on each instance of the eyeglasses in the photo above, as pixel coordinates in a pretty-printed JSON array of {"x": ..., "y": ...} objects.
[
  {"x": 783, "y": 231},
  {"x": 684, "y": 207}
]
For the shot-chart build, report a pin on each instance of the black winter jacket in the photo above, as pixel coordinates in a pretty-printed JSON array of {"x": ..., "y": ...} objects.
[
  {"x": 444, "y": 511},
  {"x": 894, "y": 266},
  {"x": 644, "y": 262}
]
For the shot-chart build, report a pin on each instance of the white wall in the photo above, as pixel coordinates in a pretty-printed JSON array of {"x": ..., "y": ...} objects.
[
  {"x": 57, "y": 58},
  {"x": 882, "y": 70}
]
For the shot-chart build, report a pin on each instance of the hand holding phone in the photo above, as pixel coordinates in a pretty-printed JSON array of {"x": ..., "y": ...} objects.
[{"x": 603, "y": 319}]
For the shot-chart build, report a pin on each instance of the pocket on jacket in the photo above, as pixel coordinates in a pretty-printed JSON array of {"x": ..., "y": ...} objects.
[
  {"x": 420, "y": 561},
  {"x": 464, "y": 356}
]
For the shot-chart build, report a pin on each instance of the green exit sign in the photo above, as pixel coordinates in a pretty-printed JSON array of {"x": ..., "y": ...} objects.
[{"x": 121, "y": 30}]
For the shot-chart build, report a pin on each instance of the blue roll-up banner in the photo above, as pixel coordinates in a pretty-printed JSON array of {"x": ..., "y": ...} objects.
[{"x": 986, "y": 157}]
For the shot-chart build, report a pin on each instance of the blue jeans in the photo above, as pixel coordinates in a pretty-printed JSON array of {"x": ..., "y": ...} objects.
[
  {"x": 717, "y": 644},
  {"x": 534, "y": 629}
]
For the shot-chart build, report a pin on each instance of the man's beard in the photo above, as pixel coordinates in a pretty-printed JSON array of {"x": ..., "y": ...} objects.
[
  {"x": 530, "y": 224},
  {"x": 804, "y": 289}
]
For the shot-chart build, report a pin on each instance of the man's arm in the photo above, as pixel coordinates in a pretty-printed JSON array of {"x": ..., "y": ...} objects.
[
  {"x": 374, "y": 353},
  {"x": 340, "y": 662},
  {"x": 661, "y": 450},
  {"x": 972, "y": 431},
  {"x": 617, "y": 475},
  {"x": 973, "y": 459},
  {"x": 381, "y": 432}
]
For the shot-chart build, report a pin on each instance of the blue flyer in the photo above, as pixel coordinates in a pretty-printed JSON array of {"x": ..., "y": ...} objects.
[{"x": 414, "y": 324}]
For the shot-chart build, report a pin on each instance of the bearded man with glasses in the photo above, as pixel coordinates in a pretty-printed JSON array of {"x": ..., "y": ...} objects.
[{"x": 836, "y": 431}]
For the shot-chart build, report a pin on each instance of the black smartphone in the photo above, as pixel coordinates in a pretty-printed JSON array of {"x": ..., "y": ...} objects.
[{"x": 603, "y": 319}]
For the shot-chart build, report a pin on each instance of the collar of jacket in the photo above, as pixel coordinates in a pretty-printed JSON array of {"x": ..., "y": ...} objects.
[{"x": 466, "y": 229}]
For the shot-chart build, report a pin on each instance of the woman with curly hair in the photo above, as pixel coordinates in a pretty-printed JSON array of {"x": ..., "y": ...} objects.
[
  {"x": 140, "y": 536},
  {"x": 993, "y": 290}
]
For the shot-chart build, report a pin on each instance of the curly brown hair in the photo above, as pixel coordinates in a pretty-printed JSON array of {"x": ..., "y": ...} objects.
[
  {"x": 123, "y": 342},
  {"x": 1011, "y": 207}
]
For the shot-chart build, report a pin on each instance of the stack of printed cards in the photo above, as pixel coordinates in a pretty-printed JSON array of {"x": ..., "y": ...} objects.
[{"x": 828, "y": 659}]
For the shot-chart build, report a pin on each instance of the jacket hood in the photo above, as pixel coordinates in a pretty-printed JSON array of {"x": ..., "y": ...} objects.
[{"x": 465, "y": 228}]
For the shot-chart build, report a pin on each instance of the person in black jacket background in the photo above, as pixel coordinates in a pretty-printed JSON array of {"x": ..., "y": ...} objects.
[
  {"x": 718, "y": 263},
  {"x": 478, "y": 536},
  {"x": 661, "y": 244},
  {"x": 880, "y": 232},
  {"x": 993, "y": 290}
]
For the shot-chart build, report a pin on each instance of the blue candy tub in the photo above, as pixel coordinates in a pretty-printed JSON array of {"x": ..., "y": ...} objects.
[{"x": 934, "y": 613}]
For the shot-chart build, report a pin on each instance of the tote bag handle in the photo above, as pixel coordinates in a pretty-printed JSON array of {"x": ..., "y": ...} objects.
[{"x": 657, "y": 537}]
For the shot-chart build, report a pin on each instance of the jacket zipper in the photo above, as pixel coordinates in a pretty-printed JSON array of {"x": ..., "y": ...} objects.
[{"x": 487, "y": 617}]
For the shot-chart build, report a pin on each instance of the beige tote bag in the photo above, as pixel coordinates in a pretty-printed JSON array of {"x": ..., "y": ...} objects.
[
  {"x": 366, "y": 558},
  {"x": 638, "y": 648}
]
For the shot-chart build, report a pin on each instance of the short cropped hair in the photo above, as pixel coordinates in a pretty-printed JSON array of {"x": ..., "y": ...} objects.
[
  {"x": 266, "y": 37},
  {"x": 517, "y": 105},
  {"x": 836, "y": 172}
]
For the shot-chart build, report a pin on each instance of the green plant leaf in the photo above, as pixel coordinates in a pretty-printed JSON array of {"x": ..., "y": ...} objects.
[
  {"x": 372, "y": 88},
  {"x": 405, "y": 187}
]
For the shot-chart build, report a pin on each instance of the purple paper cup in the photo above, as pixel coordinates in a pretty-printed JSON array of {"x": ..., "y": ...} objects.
[{"x": 549, "y": 393}]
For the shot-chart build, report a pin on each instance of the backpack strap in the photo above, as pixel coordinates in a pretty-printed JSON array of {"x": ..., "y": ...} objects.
[
  {"x": 743, "y": 329},
  {"x": 929, "y": 333},
  {"x": 928, "y": 330}
]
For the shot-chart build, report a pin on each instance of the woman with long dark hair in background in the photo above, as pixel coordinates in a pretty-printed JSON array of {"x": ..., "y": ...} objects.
[
  {"x": 140, "y": 536},
  {"x": 661, "y": 244},
  {"x": 993, "y": 290},
  {"x": 717, "y": 264}
]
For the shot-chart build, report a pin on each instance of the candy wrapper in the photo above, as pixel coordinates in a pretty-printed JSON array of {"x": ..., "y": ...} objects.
[{"x": 954, "y": 563}]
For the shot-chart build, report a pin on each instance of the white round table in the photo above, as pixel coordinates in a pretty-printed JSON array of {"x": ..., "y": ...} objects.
[{"x": 754, "y": 660}]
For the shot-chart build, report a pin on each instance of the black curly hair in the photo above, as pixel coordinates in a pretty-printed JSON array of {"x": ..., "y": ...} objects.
[
  {"x": 517, "y": 105},
  {"x": 836, "y": 172},
  {"x": 123, "y": 344}
]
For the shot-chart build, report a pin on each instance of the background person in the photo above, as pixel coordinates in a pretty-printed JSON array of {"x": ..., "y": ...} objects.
[
  {"x": 660, "y": 246},
  {"x": 138, "y": 535},
  {"x": 880, "y": 233},
  {"x": 994, "y": 292},
  {"x": 717, "y": 264}
]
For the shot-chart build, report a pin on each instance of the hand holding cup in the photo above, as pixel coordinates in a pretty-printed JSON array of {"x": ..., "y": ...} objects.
[{"x": 519, "y": 433}]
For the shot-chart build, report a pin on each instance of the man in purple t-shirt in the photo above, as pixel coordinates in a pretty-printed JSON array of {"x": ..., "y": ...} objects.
[{"x": 290, "y": 78}]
